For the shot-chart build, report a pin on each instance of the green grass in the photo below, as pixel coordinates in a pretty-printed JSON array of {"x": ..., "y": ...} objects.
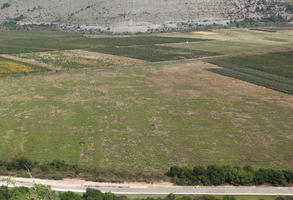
[
  {"x": 37, "y": 41},
  {"x": 135, "y": 122},
  {"x": 274, "y": 70},
  {"x": 279, "y": 63},
  {"x": 155, "y": 53},
  {"x": 139, "y": 121}
]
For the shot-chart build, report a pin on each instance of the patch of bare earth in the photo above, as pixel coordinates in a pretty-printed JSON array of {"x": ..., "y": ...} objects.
[{"x": 204, "y": 33}]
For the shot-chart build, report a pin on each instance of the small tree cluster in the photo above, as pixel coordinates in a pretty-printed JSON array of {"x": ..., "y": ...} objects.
[
  {"x": 218, "y": 175},
  {"x": 27, "y": 164}
]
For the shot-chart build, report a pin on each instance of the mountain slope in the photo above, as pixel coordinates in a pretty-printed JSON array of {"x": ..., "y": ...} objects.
[{"x": 107, "y": 13}]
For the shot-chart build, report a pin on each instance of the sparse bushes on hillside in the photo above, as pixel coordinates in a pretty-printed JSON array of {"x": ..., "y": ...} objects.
[
  {"x": 218, "y": 175},
  {"x": 5, "y": 5}
]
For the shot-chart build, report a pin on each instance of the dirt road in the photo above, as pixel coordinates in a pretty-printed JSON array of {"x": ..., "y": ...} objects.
[{"x": 76, "y": 185}]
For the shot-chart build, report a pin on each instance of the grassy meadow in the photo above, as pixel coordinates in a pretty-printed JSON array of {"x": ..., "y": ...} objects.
[{"x": 137, "y": 118}]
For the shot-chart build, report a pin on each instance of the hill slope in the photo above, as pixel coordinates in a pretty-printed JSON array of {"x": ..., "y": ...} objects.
[{"x": 132, "y": 13}]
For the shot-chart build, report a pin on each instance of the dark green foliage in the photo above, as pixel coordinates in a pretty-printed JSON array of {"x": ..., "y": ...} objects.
[
  {"x": 92, "y": 194},
  {"x": 217, "y": 175},
  {"x": 285, "y": 198},
  {"x": 5, "y": 5},
  {"x": 274, "y": 71},
  {"x": 69, "y": 196},
  {"x": 4, "y": 193},
  {"x": 154, "y": 53},
  {"x": 229, "y": 198},
  {"x": 20, "y": 164},
  {"x": 14, "y": 193}
]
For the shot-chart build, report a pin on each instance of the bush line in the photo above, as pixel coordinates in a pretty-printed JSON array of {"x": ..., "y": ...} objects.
[{"x": 219, "y": 175}]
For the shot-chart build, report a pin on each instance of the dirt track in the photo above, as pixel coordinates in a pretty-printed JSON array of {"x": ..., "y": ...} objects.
[{"x": 76, "y": 185}]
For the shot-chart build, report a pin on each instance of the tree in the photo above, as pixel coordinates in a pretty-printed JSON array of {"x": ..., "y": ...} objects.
[
  {"x": 39, "y": 192},
  {"x": 109, "y": 196},
  {"x": 216, "y": 175},
  {"x": 170, "y": 197},
  {"x": 229, "y": 198},
  {"x": 93, "y": 194},
  {"x": 4, "y": 193},
  {"x": 69, "y": 196}
]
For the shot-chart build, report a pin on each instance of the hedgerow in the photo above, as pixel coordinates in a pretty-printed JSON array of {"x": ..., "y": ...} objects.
[{"x": 219, "y": 175}]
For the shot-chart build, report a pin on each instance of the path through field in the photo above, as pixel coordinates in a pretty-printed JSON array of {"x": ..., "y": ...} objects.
[{"x": 76, "y": 185}]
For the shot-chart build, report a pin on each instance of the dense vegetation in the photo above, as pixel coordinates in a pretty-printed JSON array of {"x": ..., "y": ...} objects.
[
  {"x": 24, "y": 164},
  {"x": 218, "y": 175},
  {"x": 41, "y": 192},
  {"x": 274, "y": 70}
]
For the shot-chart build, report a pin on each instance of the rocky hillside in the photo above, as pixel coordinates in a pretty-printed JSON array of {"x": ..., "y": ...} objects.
[{"x": 137, "y": 15}]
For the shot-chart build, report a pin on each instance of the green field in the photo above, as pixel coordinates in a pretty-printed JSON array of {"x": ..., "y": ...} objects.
[
  {"x": 37, "y": 41},
  {"x": 155, "y": 53},
  {"x": 132, "y": 120},
  {"x": 274, "y": 70}
]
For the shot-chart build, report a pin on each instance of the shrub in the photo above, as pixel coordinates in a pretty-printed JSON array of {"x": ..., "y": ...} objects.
[
  {"x": 5, "y": 5},
  {"x": 69, "y": 196},
  {"x": 20, "y": 164},
  {"x": 92, "y": 194}
]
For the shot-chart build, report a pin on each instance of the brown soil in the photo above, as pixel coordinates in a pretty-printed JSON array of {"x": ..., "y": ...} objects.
[{"x": 204, "y": 33}]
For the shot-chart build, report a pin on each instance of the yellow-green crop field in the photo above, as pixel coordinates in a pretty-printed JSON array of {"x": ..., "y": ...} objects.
[{"x": 10, "y": 67}]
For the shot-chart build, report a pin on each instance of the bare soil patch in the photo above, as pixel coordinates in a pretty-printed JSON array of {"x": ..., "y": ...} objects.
[{"x": 204, "y": 33}]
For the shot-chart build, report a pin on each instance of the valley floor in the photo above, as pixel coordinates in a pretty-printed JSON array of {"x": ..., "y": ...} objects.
[{"x": 131, "y": 107}]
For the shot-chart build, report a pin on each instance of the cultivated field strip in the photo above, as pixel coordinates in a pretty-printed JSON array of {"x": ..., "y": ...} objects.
[
  {"x": 272, "y": 70},
  {"x": 274, "y": 84}
]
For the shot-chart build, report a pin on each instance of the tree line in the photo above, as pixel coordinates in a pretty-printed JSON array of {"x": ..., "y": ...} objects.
[
  {"x": 28, "y": 165},
  {"x": 219, "y": 175}
]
